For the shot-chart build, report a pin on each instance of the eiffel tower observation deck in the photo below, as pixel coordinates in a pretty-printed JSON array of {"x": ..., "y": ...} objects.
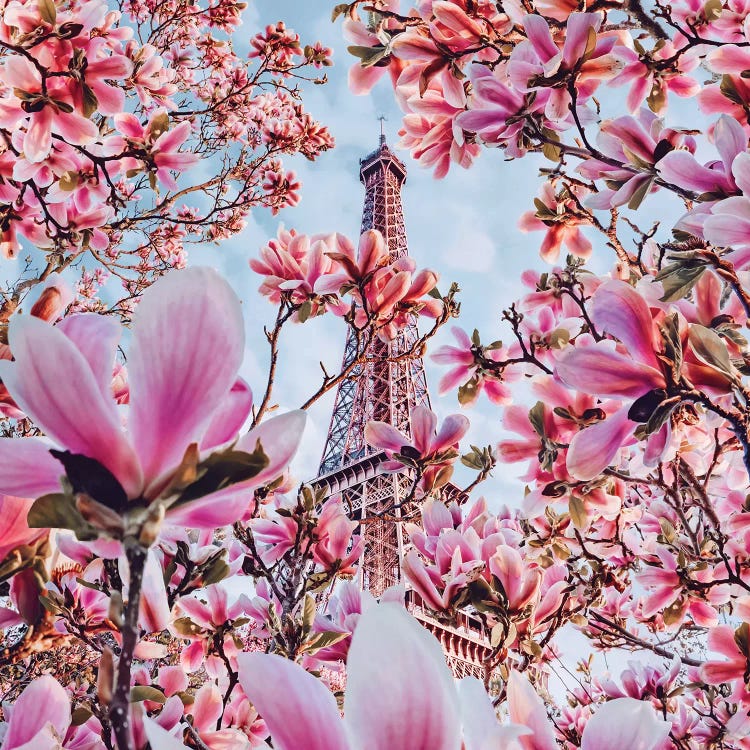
[{"x": 386, "y": 387}]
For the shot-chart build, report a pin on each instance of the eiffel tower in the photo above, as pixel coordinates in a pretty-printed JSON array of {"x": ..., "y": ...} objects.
[{"x": 387, "y": 387}]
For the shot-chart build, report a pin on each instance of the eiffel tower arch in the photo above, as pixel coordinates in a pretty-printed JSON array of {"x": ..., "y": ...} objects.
[{"x": 387, "y": 387}]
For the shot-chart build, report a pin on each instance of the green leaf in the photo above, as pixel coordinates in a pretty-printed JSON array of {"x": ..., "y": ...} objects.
[
  {"x": 304, "y": 312},
  {"x": 577, "y": 512},
  {"x": 47, "y": 10},
  {"x": 90, "y": 102},
  {"x": 670, "y": 332},
  {"x": 81, "y": 715},
  {"x": 536, "y": 417},
  {"x": 657, "y": 99},
  {"x": 712, "y": 10},
  {"x": 308, "y": 613},
  {"x": 218, "y": 571},
  {"x": 186, "y": 627},
  {"x": 368, "y": 56},
  {"x": 55, "y": 511},
  {"x": 158, "y": 125},
  {"x": 638, "y": 196},
  {"x": 677, "y": 280},
  {"x": 729, "y": 90},
  {"x": 223, "y": 469},
  {"x": 711, "y": 350},
  {"x": 325, "y": 639},
  {"x": 140, "y": 693},
  {"x": 468, "y": 392}
]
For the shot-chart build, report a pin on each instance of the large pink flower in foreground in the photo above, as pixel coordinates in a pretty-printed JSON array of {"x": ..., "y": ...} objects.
[
  {"x": 399, "y": 695},
  {"x": 184, "y": 354},
  {"x": 39, "y": 718}
]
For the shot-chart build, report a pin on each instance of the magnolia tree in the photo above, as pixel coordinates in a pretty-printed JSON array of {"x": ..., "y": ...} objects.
[{"x": 168, "y": 584}]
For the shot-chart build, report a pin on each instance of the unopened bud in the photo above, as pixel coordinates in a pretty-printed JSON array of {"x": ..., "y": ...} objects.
[
  {"x": 105, "y": 679},
  {"x": 152, "y": 525},
  {"x": 115, "y": 608}
]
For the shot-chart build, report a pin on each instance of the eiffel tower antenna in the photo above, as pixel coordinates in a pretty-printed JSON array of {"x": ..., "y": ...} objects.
[{"x": 382, "y": 119}]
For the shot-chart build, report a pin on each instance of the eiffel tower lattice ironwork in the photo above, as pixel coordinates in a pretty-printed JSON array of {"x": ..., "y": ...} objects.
[{"x": 386, "y": 387}]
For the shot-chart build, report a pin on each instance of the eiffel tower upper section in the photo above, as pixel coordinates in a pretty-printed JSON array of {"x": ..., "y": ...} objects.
[{"x": 383, "y": 388}]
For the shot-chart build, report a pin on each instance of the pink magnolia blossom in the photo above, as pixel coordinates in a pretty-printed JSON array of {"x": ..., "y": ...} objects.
[
  {"x": 555, "y": 215},
  {"x": 466, "y": 368},
  {"x": 426, "y": 441},
  {"x": 187, "y": 346},
  {"x": 40, "y": 718},
  {"x": 602, "y": 369},
  {"x": 399, "y": 692}
]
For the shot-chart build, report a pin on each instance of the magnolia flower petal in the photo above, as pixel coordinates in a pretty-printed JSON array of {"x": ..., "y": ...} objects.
[
  {"x": 160, "y": 738},
  {"x": 423, "y": 424},
  {"x": 188, "y": 342},
  {"x": 53, "y": 383},
  {"x": 43, "y": 702},
  {"x": 593, "y": 449},
  {"x": 454, "y": 427},
  {"x": 154, "y": 606},
  {"x": 625, "y": 724},
  {"x": 298, "y": 709},
  {"x": 230, "y": 416},
  {"x": 279, "y": 437},
  {"x": 96, "y": 337},
  {"x": 383, "y": 435},
  {"x": 526, "y": 708},
  {"x": 400, "y": 694},
  {"x": 212, "y": 511},
  {"x": 618, "y": 309},
  {"x": 27, "y": 468},
  {"x": 600, "y": 371}
]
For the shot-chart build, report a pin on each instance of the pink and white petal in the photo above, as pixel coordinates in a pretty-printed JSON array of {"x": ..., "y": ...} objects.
[
  {"x": 730, "y": 140},
  {"x": 593, "y": 449},
  {"x": 214, "y": 510},
  {"x": 154, "y": 613},
  {"x": 681, "y": 168},
  {"x": 53, "y": 383},
  {"x": 43, "y": 702},
  {"x": 741, "y": 172},
  {"x": 619, "y": 310},
  {"x": 38, "y": 139},
  {"x": 188, "y": 343},
  {"x": 454, "y": 427},
  {"x": 625, "y": 724},
  {"x": 10, "y": 618},
  {"x": 361, "y": 80},
  {"x": 280, "y": 438},
  {"x": 725, "y": 230},
  {"x": 383, "y": 435},
  {"x": 423, "y": 427},
  {"x": 96, "y": 337},
  {"x": 75, "y": 128},
  {"x": 400, "y": 694},
  {"x": 527, "y": 709},
  {"x": 230, "y": 416},
  {"x": 600, "y": 371},
  {"x": 160, "y": 738},
  {"x": 538, "y": 33},
  {"x": 577, "y": 35},
  {"x": 27, "y": 468},
  {"x": 207, "y": 707},
  {"x": 298, "y": 709},
  {"x": 481, "y": 729}
]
